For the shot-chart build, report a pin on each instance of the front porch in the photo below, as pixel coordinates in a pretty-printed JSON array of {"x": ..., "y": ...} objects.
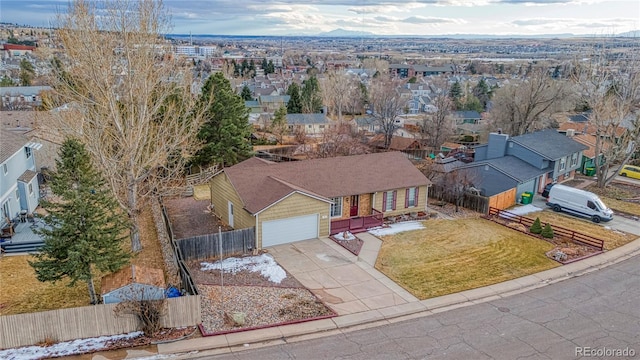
[{"x": 357, "y": 224}]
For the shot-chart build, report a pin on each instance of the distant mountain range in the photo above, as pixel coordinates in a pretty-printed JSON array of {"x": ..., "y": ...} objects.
[{"x": 342, "y": 33}]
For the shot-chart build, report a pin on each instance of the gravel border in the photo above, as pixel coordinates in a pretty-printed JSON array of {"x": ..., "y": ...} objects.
[{"x": 170, "y": 261}]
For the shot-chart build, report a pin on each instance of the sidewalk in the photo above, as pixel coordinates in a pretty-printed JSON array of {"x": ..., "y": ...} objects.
[{"x": 412, "y": 308}]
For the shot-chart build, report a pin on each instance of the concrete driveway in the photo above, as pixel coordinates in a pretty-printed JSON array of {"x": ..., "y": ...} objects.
[{"x": 344, "y": 282}]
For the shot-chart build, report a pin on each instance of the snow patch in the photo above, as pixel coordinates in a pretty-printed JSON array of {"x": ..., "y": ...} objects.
[
  {"x": 521, "y": 210},
  {"x": 345, "y": 235},
  {"x": 264, "y": 264},
  {"x": 65, "y": 348},
  {"x": 396, "y": 228}
]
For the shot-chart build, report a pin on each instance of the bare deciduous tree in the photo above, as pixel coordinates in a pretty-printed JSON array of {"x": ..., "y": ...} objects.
[
  {"x": 386, "y": 103},
  {"x": 437, "y": 127},
  {"x": 338, "y": 141},
  {"x": 337, "y": 89},
  {"x": 611, "y": 89},
  {"x": 130, "y": 99},
  {"x": 526, "y": 106}
]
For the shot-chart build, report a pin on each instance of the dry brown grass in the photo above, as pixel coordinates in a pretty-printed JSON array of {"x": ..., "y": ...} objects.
[
  {"x": 202, "y": 192},
  {"x": 455, "y": 255},
  {"x": 612, "y": 238},
  {"x": 21, "y": 292},
  {"x": 614, "y": 194}
]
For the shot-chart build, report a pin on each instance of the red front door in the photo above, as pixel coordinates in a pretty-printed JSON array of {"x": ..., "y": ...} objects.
[{"x": 354, "y": 205}]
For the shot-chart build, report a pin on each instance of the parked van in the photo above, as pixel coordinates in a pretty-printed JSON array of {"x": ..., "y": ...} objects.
[
  {"x": 630, "y": 171},
  {"x": 578, "y": 202}
]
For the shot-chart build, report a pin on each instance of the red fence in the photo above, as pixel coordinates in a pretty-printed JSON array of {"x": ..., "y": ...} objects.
[
  {"x": 357, "y": 224},
  {"x": 575, "y": 236}
]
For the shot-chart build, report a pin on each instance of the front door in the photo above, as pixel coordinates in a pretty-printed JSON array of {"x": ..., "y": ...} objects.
[{"x": 355, "y": 199}]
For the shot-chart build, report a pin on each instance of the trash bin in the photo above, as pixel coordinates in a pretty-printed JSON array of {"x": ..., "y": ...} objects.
[
  {"x": 527, "y": 197},
  {"x": 589, "y": 171}
]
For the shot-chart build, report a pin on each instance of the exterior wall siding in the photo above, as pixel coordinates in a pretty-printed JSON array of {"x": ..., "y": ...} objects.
[
  {"x": 295, "y": 205},
  {"x": 400, "y": 201},
  {"x": 221, "y": 192},
  {"x": 16, "y": 165},
  {"x": 525, "y": 155}
]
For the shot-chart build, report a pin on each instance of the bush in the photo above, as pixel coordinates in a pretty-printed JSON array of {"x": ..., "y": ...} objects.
[
  {"x": 536, "y": 228},
  {"x": 547, "y": 232}
]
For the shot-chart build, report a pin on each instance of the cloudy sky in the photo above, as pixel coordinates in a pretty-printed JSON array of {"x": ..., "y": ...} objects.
[{"x": 393, "y": 17}]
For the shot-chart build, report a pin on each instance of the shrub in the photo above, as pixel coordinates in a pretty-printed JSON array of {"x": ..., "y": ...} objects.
[
  {"x": 536, "y": 228},
  {"x": 547, "y": 232}
]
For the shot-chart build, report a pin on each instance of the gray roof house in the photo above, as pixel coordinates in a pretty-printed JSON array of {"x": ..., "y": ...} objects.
[
  {"x": 527, "y": 162},
  {"x": 310, "y": 123}
]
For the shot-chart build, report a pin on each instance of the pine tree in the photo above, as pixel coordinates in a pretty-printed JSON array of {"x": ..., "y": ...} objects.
[
  {"x": 246, "y": 93},
  {"x": 455, "y": 93},
  {"x": 279, "y": 124},
  {"x": 310, "y": 96},
  {"x": 536, "y": 228},
  {"x": 482, "y": 92},
  {"x": 226, "y": 131},
  {"x": 294, "y": 106},
  {"x": 85, "y": 229},
  {"x": 27, "y": 72},
  {"x": 547, "y": 232},
  {"x": 264, "y": 65}
]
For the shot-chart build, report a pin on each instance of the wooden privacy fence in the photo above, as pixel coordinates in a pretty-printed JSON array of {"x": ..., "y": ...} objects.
[
  {"x": 186, "y": 280},
  {"x": 202, "y": 247},
  {"x": 88, "y": 321},
  {"x": 469, "y": 201},
  {"x": 503, "y": 200},
  {"x": 575, "y": 236}
]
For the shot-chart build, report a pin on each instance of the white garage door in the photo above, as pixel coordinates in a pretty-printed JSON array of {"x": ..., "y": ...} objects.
[{"x": 288, "y": 230}]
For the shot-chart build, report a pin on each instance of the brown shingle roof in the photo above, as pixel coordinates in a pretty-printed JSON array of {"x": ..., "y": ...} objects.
[
  {"x": 260, "y": 183},
  {"x": 10, "y": 143},
  {"x": 398, "y": 143},
  {"x": 27, "y": 175},
  {"x": 590, "y": 141},
  {"x": 132, "y": 274},
  {"x": 586, "y": 128}
]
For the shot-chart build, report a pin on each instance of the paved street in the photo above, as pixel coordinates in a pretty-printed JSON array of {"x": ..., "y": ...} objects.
[{"x": 600, "y": 310}]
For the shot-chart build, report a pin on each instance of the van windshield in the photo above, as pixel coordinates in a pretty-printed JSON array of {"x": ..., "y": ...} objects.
[{"x": 600, "y": 204}]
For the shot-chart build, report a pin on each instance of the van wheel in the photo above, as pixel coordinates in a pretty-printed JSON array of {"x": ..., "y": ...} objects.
[
  {"x": 595, "y": 219},
  {"x": 556, "y": 208}
]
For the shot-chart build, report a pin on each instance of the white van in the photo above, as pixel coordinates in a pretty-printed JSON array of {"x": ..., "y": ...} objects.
[{"x": 578, "y": 202}]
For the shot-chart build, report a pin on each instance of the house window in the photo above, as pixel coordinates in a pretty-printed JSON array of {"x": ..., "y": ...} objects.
[
  {"x": 321, "y": 126},
  {"x": 5, "y": 170},
  {"x": 30, "y": 189},
  {"x": 27, "y": 152},
  {"x": 17, "y": 194},
  {"x": 336, "y": 207},
  {"x": 389, "y": 200},
  {"x": 574, "y": 160},
  {"x": 411, "y": 198},
  {"x": 563, "y": 163}
]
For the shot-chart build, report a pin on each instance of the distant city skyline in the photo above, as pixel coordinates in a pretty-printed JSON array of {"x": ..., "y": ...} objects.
[{"x": 427, "y": 17}]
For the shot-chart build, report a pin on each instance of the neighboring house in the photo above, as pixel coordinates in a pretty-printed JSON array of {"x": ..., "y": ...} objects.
[
  {"x": 411, "y": 147},
  {"x": 133, "y": 283},
  {"x": 292, "y": 201},
  {"x": 253, "y": 106},
  {"x": 271, "y": 103},
  {"x": 408, "y": 71},
  {"x": 22, "y": 97},
  {"x": 527, "y": 162},
  {"x": 467, "y": 117},
  {"x": 311, "y": 124},
  {"x": 19, "y": 187},
  {"x": 11, "y": 50},
  {"x": 589, "y": 155}
]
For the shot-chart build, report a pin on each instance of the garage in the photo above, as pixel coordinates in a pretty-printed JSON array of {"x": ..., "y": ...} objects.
[{"x": 288, "y": 230}]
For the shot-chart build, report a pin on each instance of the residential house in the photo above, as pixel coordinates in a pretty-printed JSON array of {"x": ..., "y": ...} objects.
[
  {"x": 310, "y": 124},
  {"x": 411, "y": 147},
  {"x": 22, "y": 97},
  {"x": 19, "y": 187},
  {"x": 408, "y": 70},
  {"x": 467, "y": 117},
  {"x": 299, "y": 200},
  {"x": 527, "y": 162},
  {"x": 13, "y": 50},
  {"x": 133, "y": 283},
  {"x": 588, "y": 160},
  {"x": 271, "y": 103}
]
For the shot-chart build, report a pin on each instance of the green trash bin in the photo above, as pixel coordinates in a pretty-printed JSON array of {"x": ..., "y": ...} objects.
[
  {"x": 527, "y": 197},
  {"x": 589, "y": 171}
]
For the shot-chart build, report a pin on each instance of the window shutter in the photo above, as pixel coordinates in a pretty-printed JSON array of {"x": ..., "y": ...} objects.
[
  {"x": 416, "y": 196},
  {"x": 384, "y": 201},
  {"x": 395, "y": 197},
  {"x": 406, "y": 198}
]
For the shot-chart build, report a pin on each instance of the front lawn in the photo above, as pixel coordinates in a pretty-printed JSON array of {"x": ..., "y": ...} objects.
[
  {"x": 614, "y": 194},
  {"x": 449, "y": 256}
]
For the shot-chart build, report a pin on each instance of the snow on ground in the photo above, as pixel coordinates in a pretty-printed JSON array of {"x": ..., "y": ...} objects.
[
  {"x": 521, "y": 210},
  {"x": 66, "y": 348},
  {"x": 344, "y": 236},
  {"x": 264, "y": 264},
  {"x": 396, "y": 228}
]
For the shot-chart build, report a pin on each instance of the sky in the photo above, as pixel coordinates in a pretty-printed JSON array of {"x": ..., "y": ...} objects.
[{"x": 392, "y": 17}]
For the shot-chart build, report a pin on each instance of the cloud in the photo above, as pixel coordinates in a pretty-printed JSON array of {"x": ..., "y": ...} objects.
[{"x": 432, "y": 20}]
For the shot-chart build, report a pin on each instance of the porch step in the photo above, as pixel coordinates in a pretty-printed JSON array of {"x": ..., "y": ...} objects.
[{"x": 21, "y": 247}]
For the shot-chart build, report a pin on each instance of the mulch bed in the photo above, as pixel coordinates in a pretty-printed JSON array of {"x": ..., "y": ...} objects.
[
  {"x": 166, "y": 335},
  {"x": 353, "y": 245},
  {"x": 190, "y": 217}
]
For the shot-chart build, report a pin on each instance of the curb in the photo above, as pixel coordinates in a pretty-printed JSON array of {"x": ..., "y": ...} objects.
[{"x": 235, "y": 342}]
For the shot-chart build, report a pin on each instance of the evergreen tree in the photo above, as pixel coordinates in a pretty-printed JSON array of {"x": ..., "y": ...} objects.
[
  {"x": 310, "y": 96},
  {"x": 26, "y": 72},
  {"x": 536, "y": 228},
  {"x": 264, "y": 65},
  {"x": 271, "y": 68},
  {"x": 226, "y": 131},
  {"x": 482, "y": 92},
  {"x": 6, "y": 81},
  {"x": 246, "y": 93},
  {"x": 547, "y": 232},
  {"x": 294, "y": 106},
  {"x": 279, "y": 125},
  {"x": 85, "y": 229},
  {"x": 472, "y": 103},
  {"x": 455, "y": 93}
]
